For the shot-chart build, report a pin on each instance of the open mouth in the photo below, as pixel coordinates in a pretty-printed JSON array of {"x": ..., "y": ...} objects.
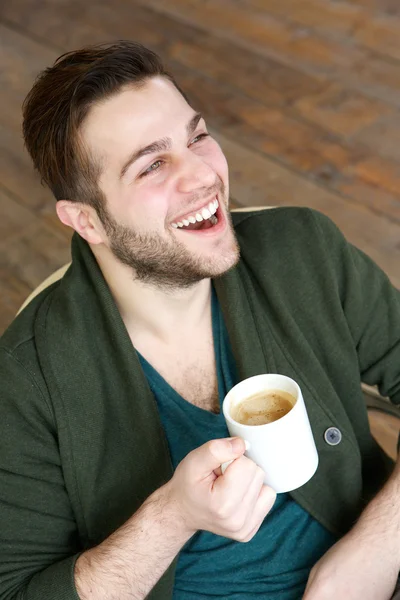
[{"x": 208, "y": 218}]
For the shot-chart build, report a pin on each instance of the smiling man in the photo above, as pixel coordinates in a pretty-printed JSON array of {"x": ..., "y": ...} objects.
[
  {"x": 111, "y": 380},
  {"x": 166, "y": 210}
]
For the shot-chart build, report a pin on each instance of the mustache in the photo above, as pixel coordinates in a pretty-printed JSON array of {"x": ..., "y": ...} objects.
[{"x": 217, "y": 189}]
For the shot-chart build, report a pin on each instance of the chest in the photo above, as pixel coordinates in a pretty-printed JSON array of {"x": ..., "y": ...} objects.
[
  {"x": 194, "y": 378},
  {"x": 189, "y": 368}
]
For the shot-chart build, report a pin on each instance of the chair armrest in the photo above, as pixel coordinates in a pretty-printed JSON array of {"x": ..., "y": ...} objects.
[{"x": 48, "y": 281}]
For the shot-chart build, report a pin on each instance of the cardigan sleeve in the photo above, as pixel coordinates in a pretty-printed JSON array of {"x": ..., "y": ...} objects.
[
  {"x": 371, "y": 305},
  {"x": 39, "y": 542}
]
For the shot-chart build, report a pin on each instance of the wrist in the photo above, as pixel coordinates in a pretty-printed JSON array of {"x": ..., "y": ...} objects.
[{"x": 173, "y": 516}]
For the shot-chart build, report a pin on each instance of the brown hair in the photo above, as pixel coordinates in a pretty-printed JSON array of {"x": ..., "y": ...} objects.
[{"x": 59, "y": 101}]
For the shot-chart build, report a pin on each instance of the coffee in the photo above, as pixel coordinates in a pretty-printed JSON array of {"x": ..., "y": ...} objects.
[{"x": 263, "y": 407}]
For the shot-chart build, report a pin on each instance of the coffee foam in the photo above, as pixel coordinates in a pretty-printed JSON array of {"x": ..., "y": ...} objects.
[{"x": 263, "y": 407}]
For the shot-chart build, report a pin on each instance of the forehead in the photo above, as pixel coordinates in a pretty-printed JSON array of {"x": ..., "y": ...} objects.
[{"x": 133, "y": 118}]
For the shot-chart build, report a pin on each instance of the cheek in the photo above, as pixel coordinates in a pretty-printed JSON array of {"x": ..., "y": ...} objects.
[
  {"x": 149, "y": 206},
  {"x": 216, "y": 159}
]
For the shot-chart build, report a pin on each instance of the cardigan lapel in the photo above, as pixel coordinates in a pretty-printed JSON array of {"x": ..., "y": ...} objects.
[{"x": 111, "y": 437}]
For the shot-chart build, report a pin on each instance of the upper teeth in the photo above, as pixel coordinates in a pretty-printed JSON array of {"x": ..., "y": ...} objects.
[{"x": 205, "y": 213}]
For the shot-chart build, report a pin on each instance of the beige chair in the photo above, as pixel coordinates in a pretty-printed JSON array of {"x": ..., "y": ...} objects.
[
  {"x": 42, "y": 286},
  {"x": 373, "y": 399}
]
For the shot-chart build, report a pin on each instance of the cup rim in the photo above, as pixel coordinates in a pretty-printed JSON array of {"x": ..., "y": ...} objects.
[{"x": 231, "y": 420}]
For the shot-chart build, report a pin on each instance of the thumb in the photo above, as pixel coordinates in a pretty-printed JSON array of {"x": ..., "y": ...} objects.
[{"x": 211, "y": 455}]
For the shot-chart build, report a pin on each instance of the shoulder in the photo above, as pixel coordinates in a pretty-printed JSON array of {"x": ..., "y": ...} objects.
[
  {"x": 287, "y": 230},
  {"x": 21, "y": 377},
  {"x": 283, "y": 218},
  {"x": 21, "y": 331}
]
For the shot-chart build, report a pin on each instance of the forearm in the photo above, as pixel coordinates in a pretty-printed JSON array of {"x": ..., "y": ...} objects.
[
  {"x": 128, "y": 564},
  {"x": 381, "y": 518}
]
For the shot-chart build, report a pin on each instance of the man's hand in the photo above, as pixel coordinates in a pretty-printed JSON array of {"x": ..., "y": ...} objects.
[
  {"x": 127, "y": 565},
  {"x": 363, "y": 565},
  {"x": 232, "y": 505}
]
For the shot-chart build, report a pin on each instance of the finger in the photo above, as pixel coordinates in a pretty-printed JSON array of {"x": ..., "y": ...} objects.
[
  {"x": 231, "y": 488},
  {"x": 310, "y": 580},
  {"x": 225, "y": 465},
  {"x": 252, "y": 533},
  {"x": 253, "y": 490},
  {"x": 218, "y": 471},
  {"x": 208, "y": 457},
  {"x": 239, "y": 474},
  {"x": 265, "y": 502}
]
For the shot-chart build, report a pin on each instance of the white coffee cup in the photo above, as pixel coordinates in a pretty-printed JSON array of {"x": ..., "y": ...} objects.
[{"x": 284, "y": 449}]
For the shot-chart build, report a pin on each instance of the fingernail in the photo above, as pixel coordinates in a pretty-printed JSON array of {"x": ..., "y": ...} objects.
[{"x": 237, "y": 445}]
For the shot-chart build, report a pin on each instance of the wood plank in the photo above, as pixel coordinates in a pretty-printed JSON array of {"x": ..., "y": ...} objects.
[
  {"x": 390, "y": 7},
  {"x": 14, "y": 218},
  {"x": 21, "y": 59},
  {"x": 380, "y": 34},
  {"x": 330, "y": 18},
  {"x": 17, "y": 174},
  {"x": 337, "y": 20},
  {"x": 34, "y": 255},
  {"x": 263, "y": 33},
  {"x": 13, "y": 292},
  {"x": 336, "y": 108},
  {"x": 172, "y": 39},
  {"x": 331, "y": 106},
  {"x": 291, "y": 44},
  {"x": 342, "y": 110},
  {"x": 379, "y": 172},
  {"x": 382, "y": 137}
]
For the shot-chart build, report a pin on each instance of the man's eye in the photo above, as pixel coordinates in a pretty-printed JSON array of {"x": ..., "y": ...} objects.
[
  {"x": 154, "y": 167},
  {"x": 157, "y": 164},
  {"x": 200, "y": 137}
]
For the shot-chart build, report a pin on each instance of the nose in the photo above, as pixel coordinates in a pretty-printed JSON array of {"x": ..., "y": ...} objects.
[{"x": 194, "y": 173}]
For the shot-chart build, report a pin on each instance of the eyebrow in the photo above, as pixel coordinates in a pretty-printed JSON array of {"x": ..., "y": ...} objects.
[{"x": 159, "y": 145}]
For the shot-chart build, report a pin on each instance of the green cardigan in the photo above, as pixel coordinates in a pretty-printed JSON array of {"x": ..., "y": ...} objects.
[{"x": 81, "y": 442}]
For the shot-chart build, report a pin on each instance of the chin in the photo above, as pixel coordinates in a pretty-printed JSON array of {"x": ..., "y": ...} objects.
[{"x": 224, "y": 262}]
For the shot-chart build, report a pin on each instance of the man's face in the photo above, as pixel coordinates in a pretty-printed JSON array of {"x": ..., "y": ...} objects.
[{"x": 166, "y": 184}]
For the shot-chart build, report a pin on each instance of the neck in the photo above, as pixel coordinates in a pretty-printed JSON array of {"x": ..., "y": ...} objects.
[{"x": 165, "y": 314}]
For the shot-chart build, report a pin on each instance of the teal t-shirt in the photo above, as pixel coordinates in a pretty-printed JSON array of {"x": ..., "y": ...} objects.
[{"x": 276, "y": 563}]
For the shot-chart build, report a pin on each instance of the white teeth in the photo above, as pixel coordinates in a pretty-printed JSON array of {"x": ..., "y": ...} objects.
[{"x": 206, "y": 213}]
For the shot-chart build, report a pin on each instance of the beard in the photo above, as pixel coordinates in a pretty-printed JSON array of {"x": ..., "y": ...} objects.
[{"x": 167, "y": 263}]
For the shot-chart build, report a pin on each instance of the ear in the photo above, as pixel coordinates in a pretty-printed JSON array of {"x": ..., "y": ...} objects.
[{"x": 83, "y": 218}]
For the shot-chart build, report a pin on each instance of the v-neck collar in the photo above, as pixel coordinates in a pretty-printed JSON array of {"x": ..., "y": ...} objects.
[{"x": 225, "y": 368}]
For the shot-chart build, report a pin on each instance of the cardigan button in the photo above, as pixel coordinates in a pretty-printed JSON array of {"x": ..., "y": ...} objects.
[{"x": 333, "y": 436}]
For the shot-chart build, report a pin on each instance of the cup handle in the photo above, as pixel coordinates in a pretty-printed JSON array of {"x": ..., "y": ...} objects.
[{"x": 226, "y": 464}]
